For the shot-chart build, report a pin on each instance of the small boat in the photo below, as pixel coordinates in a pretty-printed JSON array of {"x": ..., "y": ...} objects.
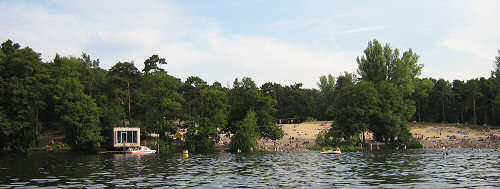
[
  {"x": 141, "y": 150},
  {"x": 331, "y": 152}
]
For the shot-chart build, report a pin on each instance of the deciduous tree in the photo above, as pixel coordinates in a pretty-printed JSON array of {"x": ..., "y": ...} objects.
[
  {"x": 244, "y": 97},
  {"x": 247, "y": 133}
]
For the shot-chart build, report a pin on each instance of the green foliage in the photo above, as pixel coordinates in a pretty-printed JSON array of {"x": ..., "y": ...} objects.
[
  {"x": 345, "y": 80},
  {"x": 496, "y": 112},
  {"x": 77, "y": 112},
  {"x": 394, "y": 77},
  {"x": 293, "y": 101},
  {"x": 326, "y": 95},
  {"x": 24, "y": 86},
  {"x": 326, "y": 83},
  {"x": 472, "y": 101},
  {"x": 319, "y": 148},
  {"x": 384, "y": 64},
  {"x": 329, "y": 138},
  {"x": 459, "y": 105},
  {"x": 391, "y": 113},
  {"x": 474, "y": 92},
  {"x": 410, "y": 141},
  {"x": 353, "y": 108},
  {"x": 210, "y": 115},
  {"x": 380, "y": 102},
  {"x": 245, "y": 97},
  {"x": 151, "y": 64},
  {"x": 246, "y": 135},
  {"x": 124, "y": 78},
  {"x": 496, "y": 72},
  {"x": 165, "y": 146},
  {"x": 76, "y": 95},
  {"x": 442, "y": 94},
  {"x": 310, "y": 119},
  {"x": 350, "y": 148},
  {"x": 422, "y": 89},
  {"x": 344, "y": 148},
  {"x": 406, "y": 139},
  {"x": 160, "y": 103}
]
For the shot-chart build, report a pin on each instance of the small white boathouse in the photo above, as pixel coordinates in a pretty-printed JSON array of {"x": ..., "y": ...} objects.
[{"x": 126, "y": 137}]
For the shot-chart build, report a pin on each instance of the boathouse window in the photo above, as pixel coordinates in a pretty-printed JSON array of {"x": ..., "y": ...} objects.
[{"x": 126, "y": 137}]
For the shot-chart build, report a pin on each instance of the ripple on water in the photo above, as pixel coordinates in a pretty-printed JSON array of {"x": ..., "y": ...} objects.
[{"x": 390, "y": 168}]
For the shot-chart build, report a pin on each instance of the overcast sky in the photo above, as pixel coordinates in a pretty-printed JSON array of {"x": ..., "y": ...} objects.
[{"x": 284, "y": 42}]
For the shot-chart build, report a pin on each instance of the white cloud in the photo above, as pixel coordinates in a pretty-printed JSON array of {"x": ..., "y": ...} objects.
[
  {"x": 71, "y": 27},
  {"x": 42, "y": 30},
  {"x": 479, "y": 34},
  {"x": 263, "y": 59},
  {"x": 128, "y": 31},
  {"x": 363, "y": 29}
]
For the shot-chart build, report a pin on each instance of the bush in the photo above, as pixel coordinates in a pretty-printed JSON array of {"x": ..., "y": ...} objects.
[
  {"x": 347, "y": 148},
  {"x": 318, "y": 148},
  {"x": 165, "y": 146},
  {"x": 246, "y": 135},
  {"x": 326, "y": 138},
  {"x": 406, "y": 138},
  {"x": 260, "y": 150},
  {"x": 199, "y": 143},
  {"x": 310, "y": 119},
  {"x": 350, "y": 148}
]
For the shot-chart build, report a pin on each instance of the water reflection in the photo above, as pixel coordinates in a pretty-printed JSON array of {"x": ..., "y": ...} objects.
[{"x": 391, "y": 168}]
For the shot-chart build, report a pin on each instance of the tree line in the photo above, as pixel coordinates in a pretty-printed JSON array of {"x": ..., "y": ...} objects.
[{"x": 77, "y": 96}]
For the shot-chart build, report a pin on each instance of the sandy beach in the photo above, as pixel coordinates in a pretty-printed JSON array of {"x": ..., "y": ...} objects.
[
  {"x": 456, "y": 135},
  {"x": 297, "y": 136},
  {"x": 300, "y": 136}
]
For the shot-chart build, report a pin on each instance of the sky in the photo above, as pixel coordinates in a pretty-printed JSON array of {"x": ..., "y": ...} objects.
[{"x": 284, "y": 42}]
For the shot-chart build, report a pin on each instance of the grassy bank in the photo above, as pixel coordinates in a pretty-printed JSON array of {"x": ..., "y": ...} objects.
[{"x": 345, "y": 148}]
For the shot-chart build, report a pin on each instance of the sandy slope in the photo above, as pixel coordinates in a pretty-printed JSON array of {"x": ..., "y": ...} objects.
[
  {"x": 433, "y": 135},
  {"x": 456, "y": 135}
]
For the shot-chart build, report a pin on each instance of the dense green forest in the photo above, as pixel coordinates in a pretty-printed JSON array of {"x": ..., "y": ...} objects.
[{"x": 75, "y": 95}]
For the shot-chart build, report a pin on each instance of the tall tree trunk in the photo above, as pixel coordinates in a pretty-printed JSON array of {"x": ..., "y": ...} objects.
[
  {"x": 129, "y": 108},
  {"x": 493, "y": 122},
  {"x": 474, "y": 109},
  {"x": 363, "y": 137},
  {"x": 419, "y": 112},
  {"x": 485, "y": 114},
  {"x": 122, "y": 101},
  {"x": 462, "y": 116},
  {"x": 442, "y": 105},
  {"x": 37, "y": 128}
]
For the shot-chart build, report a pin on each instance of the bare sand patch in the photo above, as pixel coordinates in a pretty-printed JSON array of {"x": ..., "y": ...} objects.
[
  {"x": 456, "y": 135},
  {"x": 300, "y": 136}
]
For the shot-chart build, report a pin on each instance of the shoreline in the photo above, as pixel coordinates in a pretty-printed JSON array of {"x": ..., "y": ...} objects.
[
  {"x": 298, "y": 137},
  {"x": 431, "y": 135},
  {"x": 456, "y": 135}
]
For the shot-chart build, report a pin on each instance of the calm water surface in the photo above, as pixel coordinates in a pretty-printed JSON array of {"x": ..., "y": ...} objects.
[{"x": 404, "y": 168}]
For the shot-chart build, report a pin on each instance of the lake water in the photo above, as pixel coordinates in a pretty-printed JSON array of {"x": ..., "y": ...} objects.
[{"x": 428, "y": 168}]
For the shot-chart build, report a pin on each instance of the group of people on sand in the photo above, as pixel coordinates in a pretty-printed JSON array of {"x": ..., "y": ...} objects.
[
  {"x": 293, "y": 144},
  {"x": 419, "y": 136}
]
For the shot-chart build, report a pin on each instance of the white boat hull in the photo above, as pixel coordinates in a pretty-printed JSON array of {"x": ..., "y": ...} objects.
[{"x": 142, "y": 150}]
